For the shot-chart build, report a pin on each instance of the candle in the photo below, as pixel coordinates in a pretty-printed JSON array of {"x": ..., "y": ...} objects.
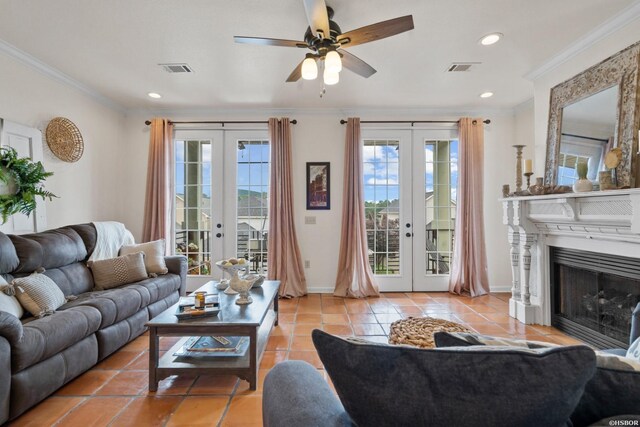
[{"x": 528, "y": 166}]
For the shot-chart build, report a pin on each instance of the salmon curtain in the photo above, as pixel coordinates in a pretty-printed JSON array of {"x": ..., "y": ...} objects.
[
  {"x": 469, "y": 269},
  {"x": 285, "y": 261},
  {"x": 158, "y": 204},
  {"x": 355, "y": 278}
]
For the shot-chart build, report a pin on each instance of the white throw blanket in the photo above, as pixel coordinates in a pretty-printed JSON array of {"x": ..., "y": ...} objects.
[{"x": 110, "y": 237}]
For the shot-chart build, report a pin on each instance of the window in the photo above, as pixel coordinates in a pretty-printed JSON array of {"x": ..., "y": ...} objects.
[
  {"x": 382, "y": 204},
  {"x": 193, "y": 203},
  {"x": 441, "y": 183},
  {"x": 253, "y": 203}
]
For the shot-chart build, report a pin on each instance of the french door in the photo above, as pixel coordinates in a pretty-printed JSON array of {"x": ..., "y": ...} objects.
[
  {"x": 221, "y": 199},
  {"x": 410, "y": 184}
]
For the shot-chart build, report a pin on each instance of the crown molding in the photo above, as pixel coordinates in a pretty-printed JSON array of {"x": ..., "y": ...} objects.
[
  {"x": 608, "y": 27},
  {"x": 260, "y": 113},
  {"x": 33, "y": 62}
]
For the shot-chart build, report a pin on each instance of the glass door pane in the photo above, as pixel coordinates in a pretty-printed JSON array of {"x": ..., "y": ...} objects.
[
  {"x": 198, "y": 202},
  {"x": 193, "y": 203},
  {"x": 440, "y": 184},
  {"x": 382, "y": 204},
  {"x": 252, "y": 223},
  {"x": 386, "y": 166},
  {"x": 435, "y": 183}
]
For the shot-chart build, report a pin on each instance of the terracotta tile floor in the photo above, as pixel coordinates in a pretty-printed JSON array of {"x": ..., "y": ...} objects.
[{"x": 115, "y": 392}]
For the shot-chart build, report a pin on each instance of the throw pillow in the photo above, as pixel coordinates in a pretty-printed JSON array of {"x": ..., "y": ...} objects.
[
  {"x": 153, "y": 255},
  {"x": 385, "y": 385},
  {"x": 9, "y": 303},
  {"x": 114, "y": 272},
  {"x": 614, "y": 389},
  {"x": 38, "y": 294},
  {"x": 634, "y": 350},
  {"x": 463, "y": 339}
]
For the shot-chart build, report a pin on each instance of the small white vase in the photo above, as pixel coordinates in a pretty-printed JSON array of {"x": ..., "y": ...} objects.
[{"x": 582, "y": 186}]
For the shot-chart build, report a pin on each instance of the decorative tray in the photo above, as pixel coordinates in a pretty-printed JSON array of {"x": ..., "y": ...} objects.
[
  {"x": 214, "y": 346},
  {"x": 189, "y": 312}
]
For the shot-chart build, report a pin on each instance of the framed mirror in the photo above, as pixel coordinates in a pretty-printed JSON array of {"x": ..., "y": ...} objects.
[{"x": 592, "y": 113}]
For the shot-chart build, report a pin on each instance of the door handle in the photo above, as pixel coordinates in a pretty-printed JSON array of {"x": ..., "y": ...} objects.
[
  {"x": 409, "y": 234},
  {"x": 408, "y": 225},
  {"x": 218, "y": 235},
  {"x": 218, "y": 225}
]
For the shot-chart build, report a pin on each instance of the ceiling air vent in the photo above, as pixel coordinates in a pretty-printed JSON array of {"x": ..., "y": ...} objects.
[
  {"x": 461, "y": 66},
  {"x": 177, "y": 68}
]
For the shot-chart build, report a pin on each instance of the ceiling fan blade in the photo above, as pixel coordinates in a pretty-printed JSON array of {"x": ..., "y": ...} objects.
[
  {"x": 356, "y": 64},
  {"x": 270, "y": 42},
  {"x": 377, "y": 31},
  {"x": 296, "y": 74},
  {"x": 317, "y": 16}
]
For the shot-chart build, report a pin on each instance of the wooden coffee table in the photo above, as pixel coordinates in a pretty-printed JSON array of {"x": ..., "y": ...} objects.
[{"x": 254, "y": 320}]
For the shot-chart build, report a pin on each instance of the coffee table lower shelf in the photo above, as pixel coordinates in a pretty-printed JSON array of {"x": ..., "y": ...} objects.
[{"x": 245, "y": 367}]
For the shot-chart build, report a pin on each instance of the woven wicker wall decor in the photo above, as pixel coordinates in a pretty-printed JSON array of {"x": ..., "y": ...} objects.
[{"x": 64, "y": 139}]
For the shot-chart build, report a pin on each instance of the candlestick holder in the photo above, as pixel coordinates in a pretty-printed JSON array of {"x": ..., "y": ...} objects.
[
  {"x": 518, "y": 167},
  {"x": 528, "y": 175}
]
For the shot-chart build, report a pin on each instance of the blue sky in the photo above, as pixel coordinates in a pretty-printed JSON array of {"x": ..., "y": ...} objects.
[
  {"x": 249, "y": 176},
  {"x": 381, "y": 171}
]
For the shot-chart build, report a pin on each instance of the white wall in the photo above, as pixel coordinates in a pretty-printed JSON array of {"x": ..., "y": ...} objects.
[
  {"x": 318, "y": 136},
  {"x": 89, "y": 189},
  {"x": 542, "y": 86}
]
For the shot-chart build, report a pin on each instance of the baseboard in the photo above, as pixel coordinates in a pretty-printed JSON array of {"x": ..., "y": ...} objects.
[
  {"x": 320, "y": 290},
  {"x": 500, "y": 288}
]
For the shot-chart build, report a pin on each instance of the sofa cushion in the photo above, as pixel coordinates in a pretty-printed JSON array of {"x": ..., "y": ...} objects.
[
  {"x": 72, "y": 279},
  {"x": 88, "y": 234},
  {"x": 613, "y": 390},
  {"x": 156, "y": 288},
  {"x": 386, "y": 385},
  {"x": 31, "y": 385},
  {"x": 38, "y": 294},
  {"x": 43, "y": 338},
  {"x": 48, "y": 249},
  {"x": 153, "y": 255},
  {"x": 9, "y": 260},
  {"x": 114, "y": 272},
  {"x": 114, "y": 305}
]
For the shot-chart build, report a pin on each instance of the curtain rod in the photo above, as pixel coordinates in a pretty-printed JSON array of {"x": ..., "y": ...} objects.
[
  {"x": 586, "y": 137},
  {"x": 237, "y": 122},
  {"x": 343, "y": 121}
]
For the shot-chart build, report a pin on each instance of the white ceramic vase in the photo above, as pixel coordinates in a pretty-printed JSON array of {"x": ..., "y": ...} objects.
[{"x": 582, "y": 186}]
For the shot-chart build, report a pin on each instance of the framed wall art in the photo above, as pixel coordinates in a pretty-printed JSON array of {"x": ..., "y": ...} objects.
[{"x": 318, "y": 186}]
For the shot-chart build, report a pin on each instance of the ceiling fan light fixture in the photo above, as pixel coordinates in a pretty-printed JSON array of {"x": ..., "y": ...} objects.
[
  {"x": 330, "y": 78},
  {"x": 309, "y": 69},
  {"x": 332, "y": 62}
]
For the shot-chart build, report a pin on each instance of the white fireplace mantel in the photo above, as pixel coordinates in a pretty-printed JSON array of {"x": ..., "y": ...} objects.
[{"x": 598, "y": 221}]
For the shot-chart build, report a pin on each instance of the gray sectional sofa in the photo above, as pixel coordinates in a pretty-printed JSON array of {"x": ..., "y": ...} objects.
[{"x": 38, "y": 356}]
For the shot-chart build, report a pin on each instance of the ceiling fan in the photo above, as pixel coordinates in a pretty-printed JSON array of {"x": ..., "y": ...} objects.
[{"x": 326, "y": 41}]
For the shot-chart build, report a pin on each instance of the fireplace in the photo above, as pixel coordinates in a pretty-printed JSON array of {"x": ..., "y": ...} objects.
[{"x": 593, "y": 295}]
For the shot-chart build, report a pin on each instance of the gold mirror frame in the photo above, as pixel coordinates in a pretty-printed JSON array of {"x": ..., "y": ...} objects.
[{"x": 619, "y": 70}]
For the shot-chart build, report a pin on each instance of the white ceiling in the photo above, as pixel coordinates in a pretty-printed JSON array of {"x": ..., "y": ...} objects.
[{"x": 114, "y": 46}]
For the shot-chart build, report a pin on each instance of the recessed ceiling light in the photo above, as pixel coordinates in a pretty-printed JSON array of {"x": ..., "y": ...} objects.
[
  {"x": 154, "y": 95},
  {"x": 490, "y": 39},
  {"x": 486, "y": 95}
]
